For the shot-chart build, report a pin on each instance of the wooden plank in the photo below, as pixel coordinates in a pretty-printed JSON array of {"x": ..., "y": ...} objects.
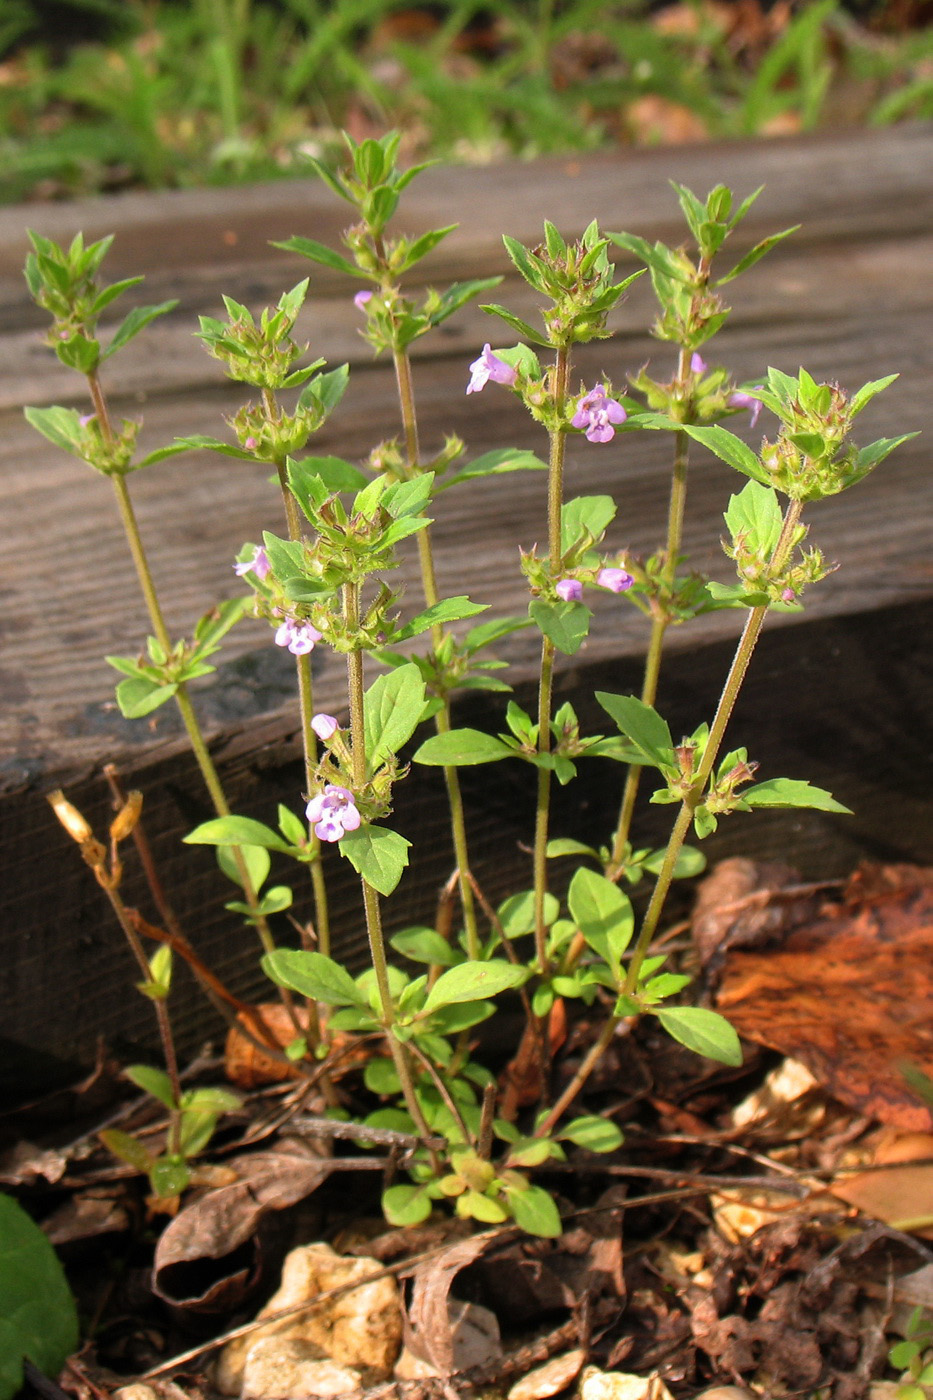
[{"x": 850, "y": 297}]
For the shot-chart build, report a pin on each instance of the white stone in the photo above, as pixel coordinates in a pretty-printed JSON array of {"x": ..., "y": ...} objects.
[
  {"x": 622, "y": 1385},
  {"x": 360, "y": 1328},
  {"x": 555, "y": 1375},
  {"x": 276, "y": 1369}
]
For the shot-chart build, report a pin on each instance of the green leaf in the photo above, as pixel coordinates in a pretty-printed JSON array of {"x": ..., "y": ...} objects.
[
  {"x": 127, "y": 1148},
  {"x": 446, "y": 610},
  {"x": 603, "y": 914},
  {"x": 140, "y": 696},
  {"x": 517, "y": 913},
  {"x": 534, "y": 1211},
  {"x": 461, "y": 747},
  {"x": 60, "y": 425},
  {"x": 566, "y": 846},
  {"x": 791, "y": 792},
  {"x": 564, "y": 624},
  {"x": 392, "y": 707},
  {"x": 378, "y": 854},
  {"x": 642, "y": 725},
  {"x": 200, "y": 442},
  {"x": 585, "y": 516},
  {"x": 152, "y": 1081},
  {"x": 689, "y": 862},
  {"x": 492, "y": 464},
  {"x": 256, "y": 859},
  {"x": 517, "y": 324},
  {"x": 753, "y": 254},
  {"x": 701, "y": 1030},
  {"x": 471, "y": 981},
  {"x": 169, "y": 1176},
  {"x": 320, "y": 253},
  {"x": 755, "y": 514},
  {"x": 136, "y": 321},
  {"x": 235, "y": 831},
  {"x": 313, "y": 975},
  {"x": 730, "y": 448},
  {"x": 424, "y": 945},
  {"x": 38, "y": 1318},
  {"x": 594, "y": 1133},
  {"x": 406, "y": 1205},
  {"x": 332, "y": 472}
]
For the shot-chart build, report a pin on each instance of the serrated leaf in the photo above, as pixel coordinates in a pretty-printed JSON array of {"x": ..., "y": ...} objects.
[
  {"x": 473, "y": 981},
  {"x": 517, "y": 324},
  {"x": 703, "y": 1031},
  {"x": 378, "y": 854},
  {"x": 235, "y": 831},
  {"x": 60, "y": 426},
  {"x": 313, "y": 975},
  {"x": 730, "y": 449},
  {"x": 38, "y": 1317},
  {"x": 333, "y": 472},
  {"x": 392, "y": 707},
  {"x": 492, "y": 464},
  {"x": 791, "y": 792},
  {"x": 462, "y": 747},
  {"x": 136, "y": 321},
  {"x": 754, "y": 254}
]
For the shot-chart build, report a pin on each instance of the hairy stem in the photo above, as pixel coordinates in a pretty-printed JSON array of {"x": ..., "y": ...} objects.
[
  {"x": 442, "y": 721},
  {"x": 555, "y": 499}
]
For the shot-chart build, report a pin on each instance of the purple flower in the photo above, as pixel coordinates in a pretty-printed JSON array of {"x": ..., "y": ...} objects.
[
  {"x": 788, "y": 595},
  {"x": 596, "y": 412},
  {"x": 251, "y": 444},
  {"x": 697, "y": 363},
  {"x": 324, "y": 726},
  {"x": 258, "y": 565},
  {"x": 299, "y": 637},
  {"x": 570, "y": 589},
  {"x": 616, "y": 580},
  {"x": 361, "y": 298},
  {"x": 86, "y": 418},
  {"x": 487, "y": 367},
  {"x": 332, "y": 813},
  {"x": 743, "y": 400}
]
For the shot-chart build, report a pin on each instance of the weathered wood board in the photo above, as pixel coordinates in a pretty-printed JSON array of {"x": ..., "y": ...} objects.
[{"x": 849, "y": 296}]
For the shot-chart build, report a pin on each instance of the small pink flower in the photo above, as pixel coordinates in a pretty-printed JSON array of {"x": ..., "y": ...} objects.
[
  {"x": 742, "y": 400},
  {"x": 258, "y": 565},
  {"x": 487, "y": 367},
  {"x": 324, "y": 726},
  {"x": 570, "y": 589},
  {"x": 616, "y": 580},
  {"x": 361, "y": 298},
  {"x": 332, "y": 813},
  {"x": 298, "y": 637},
  {"x": 788, "y": 595},
  {"x": 251, "y": 444},
  {"x": 697, "y": 363},
  {"x": 596, "y": 413}
]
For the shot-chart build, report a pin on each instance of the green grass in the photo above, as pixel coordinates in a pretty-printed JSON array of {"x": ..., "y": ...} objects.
[{"x": 219, "y": 91}]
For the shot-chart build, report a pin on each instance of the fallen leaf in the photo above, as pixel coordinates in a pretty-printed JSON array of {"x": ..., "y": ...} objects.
[
  {"x": 850, "y": 994},
  {"x": 216, "y": 1225},
  {"x": 901, "y": 1195},
  {"x": 431, "y": 1321},
  {"x": 555, "y": 1375},
  {"x": 746, "y": 903}
]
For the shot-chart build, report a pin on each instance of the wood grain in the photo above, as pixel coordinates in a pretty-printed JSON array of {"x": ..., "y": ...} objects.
[{"x": 849, "y": 296}]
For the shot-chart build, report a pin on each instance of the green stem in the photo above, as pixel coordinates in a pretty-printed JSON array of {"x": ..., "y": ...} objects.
[
  {"x": 442, "y": 720},
  {"x": 660, "y": 623},
  {"x": 555, "y": 500},
  {"x": 377, "y": 950},
  {"x": 727, "y": 699},
  {"x": 182, "y": 698},
  {"x": 306, "y": 712}
]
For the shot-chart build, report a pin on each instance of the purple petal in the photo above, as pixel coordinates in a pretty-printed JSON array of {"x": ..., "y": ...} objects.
[
  {"x": 569, "y": 589},
  {"x": 324, "y": 726}
]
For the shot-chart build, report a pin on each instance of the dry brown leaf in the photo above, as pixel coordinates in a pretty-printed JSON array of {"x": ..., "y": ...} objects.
[
  {"x": 902, "y": 1194},
  {"x": 215, "y": 1225},
  {"x": 850, "y": 994},
  {"x": 746, "y": 903},
  {"x": 430, "y": 1329}
]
